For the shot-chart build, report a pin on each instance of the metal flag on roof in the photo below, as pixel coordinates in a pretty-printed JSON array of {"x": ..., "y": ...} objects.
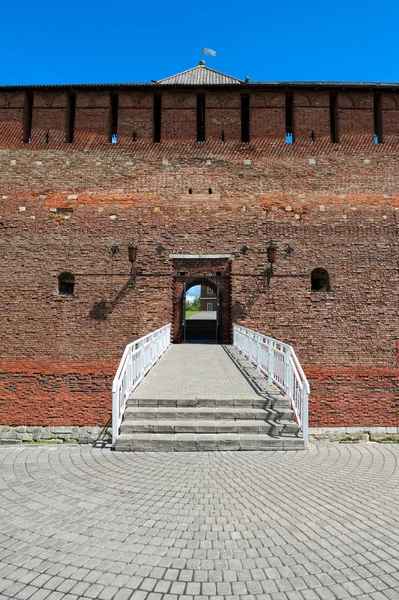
[{"x": 208, "y": 52}]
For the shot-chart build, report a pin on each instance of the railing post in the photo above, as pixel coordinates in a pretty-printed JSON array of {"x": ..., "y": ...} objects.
[
  {"x": 138, "y": 358},
  {"x": 305, "y": 416},
  {"x": 271, "y": 360},
  {"x": 115, "y": 414},
  {"x": 289, "y": 377},
  {"x": 287, "y": 371}
]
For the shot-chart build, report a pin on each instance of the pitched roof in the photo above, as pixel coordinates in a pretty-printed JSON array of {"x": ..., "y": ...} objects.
[{"x": 200, "y": 75}]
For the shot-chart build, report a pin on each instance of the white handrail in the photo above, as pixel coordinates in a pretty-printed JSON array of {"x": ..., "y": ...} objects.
[
  {"x": 279, "y": 363},
  {"x": 138, "y": 358}
]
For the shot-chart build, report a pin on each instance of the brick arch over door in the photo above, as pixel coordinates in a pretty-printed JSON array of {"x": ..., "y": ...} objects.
[{"x": 197, "y": 272}]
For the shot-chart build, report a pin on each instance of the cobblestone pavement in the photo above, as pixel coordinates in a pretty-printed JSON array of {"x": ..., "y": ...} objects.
[{"x": 78, "y": 522}]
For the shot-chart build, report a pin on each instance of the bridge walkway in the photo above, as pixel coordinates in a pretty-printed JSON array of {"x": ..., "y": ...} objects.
[{"x": 207, "y": 397}]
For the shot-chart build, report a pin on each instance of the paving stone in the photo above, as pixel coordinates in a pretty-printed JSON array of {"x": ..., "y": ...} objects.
[{"x": 86, "y": 523}]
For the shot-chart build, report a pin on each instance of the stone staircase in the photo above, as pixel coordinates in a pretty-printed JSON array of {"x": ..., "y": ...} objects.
[
  {"x": 261, "y": 421},
  {"x": 201, "y": 329}
]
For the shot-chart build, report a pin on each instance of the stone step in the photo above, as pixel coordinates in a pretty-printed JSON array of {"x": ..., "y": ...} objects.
[
  {"x": 191, "y": 442},
  {"x": 251, "y": 426},
  {"x": 275, "y": 401},
  {"x": 167, "y": 413}
]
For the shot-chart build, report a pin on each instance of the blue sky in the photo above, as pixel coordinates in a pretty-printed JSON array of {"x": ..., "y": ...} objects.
[
  {"x": 130, "y": 41},
  {"x": 193, "y": 292}
]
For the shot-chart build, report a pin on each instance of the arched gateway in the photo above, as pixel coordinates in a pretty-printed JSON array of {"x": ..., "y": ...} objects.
[
  {"x": 212, "y": 324},
  {"x": 202, "y": 326}
]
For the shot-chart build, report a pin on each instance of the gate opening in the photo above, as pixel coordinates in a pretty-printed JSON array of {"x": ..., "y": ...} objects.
[{"x": 201, "y": 309}]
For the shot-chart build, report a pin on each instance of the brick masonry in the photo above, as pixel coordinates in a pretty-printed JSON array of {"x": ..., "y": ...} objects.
[{"x": 63, "y": 206}]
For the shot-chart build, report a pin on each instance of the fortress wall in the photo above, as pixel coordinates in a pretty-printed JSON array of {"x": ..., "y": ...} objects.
[
  {"x": 64, "y": 206},
  {"x": 311, "y": 112}
]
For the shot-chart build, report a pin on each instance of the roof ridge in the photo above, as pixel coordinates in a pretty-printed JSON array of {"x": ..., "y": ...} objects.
[
  {"x": 181, "y": 73},
  {"x": 219, "y": 73},
  {"x": 201, "y": 68}
]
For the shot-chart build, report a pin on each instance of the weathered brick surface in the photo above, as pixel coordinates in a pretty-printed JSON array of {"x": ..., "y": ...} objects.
[
  {"x": 55, "y": 392},
  {"x": 355, "y": 113},
  {"x": 223, "y": 114},
  {"x": 49, "y": 112},
  {"x": 335, "y": 205},
  {"x": 312, "y": 113},
  {"x": 135, "y": 115}
]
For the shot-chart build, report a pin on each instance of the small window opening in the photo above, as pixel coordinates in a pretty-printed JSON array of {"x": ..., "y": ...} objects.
[
  {"x": 209, "y": 190},
  {"x": 27, "y": 117},
  {"x": 334, "y": 117},
  {"x": 245, "y": 118},
  {"x": 289, "y": 117},
  {"x": 46, "y": 137},
  {"x": 218, "y": 273},
  {"x": 190, "y": 191},
  {"x": 312, "y": 137},
  {"x": 378, "y": 137},
  {"x": 134, "y": 137},
  {"x": 201, "y": 118},
  {"x": 157, "y": 117},
  {"x": 63, "y": 212},
  {"x": 70, "y": 117},
  {"x": 113, "y": 118},
  {"x": 66, "y": 284},
  {"x": 222, "y": 137},
  {"x": 182, "y": 273},
  {"x": 320, "y": 280}
]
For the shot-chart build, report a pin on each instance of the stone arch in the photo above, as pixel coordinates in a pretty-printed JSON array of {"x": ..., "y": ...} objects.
[
  {"x": 204, "y": 325},
  {"x": 389, "y": 102},
  {"x": 320, "y": 280},
  {"x": 214, "y": 272},
  {"x": 302, "y": 99},
  {"x": 346, "y": 101}
]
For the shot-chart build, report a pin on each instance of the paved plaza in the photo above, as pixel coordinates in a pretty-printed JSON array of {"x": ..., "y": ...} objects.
[{"x": 79, "y": 522}]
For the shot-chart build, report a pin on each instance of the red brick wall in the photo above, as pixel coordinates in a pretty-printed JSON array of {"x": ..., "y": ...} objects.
[
  {"x": 135, "y": 114},
  {"x": 48, "y": 115},
  {"x": 311, "y": 113},
  {"x": 54, "y": 392},
  {"x": 390, "y": 114},
  {"x": 92, "y": 112},
  {"x": 267, "y": 115},
  {"x": 179, "y": 116},
  {"x": 223, "y": 114},
  {"x": 335, "y": 205},
  {"x": 355, "y": 113},
  {"x": 11, "y": 107}
]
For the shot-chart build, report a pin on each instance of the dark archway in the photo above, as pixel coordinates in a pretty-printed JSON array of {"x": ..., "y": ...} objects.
[
  {"x": 66, "y": 284},
  {"x": 320, "y": 280},
  {"x": 202, "y": 324},
  {"x": 210, "y": 271}
]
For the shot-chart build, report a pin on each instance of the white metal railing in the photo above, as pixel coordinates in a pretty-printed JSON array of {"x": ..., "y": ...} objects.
[
  {"x": 137, "y": 360},
  {"x": 279, "y": 363}
]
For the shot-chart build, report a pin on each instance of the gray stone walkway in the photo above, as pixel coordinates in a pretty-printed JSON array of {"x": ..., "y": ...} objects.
[
  {"x": 83, "y": 523},
  {"x": 200, "y": 371}
]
